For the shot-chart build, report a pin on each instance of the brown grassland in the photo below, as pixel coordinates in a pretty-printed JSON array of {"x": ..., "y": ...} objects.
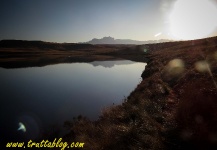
[{"x": 174, "y": 107}]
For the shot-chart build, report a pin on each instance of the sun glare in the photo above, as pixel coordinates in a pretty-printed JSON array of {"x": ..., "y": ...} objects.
[{"x": 193, "y": 19}]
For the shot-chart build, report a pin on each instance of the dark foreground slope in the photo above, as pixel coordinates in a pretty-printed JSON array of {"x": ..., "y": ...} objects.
[{"x": 174, "y": 107}]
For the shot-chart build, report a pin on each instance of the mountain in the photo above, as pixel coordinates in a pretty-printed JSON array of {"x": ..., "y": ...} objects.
[{"x": 111, "y": 40}]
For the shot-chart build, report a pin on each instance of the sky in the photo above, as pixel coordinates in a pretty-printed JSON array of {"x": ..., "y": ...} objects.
[{"x": 82, "y": 20}]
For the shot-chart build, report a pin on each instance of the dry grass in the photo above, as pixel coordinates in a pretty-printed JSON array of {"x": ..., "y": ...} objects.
[{"x": 166, "y": 110}]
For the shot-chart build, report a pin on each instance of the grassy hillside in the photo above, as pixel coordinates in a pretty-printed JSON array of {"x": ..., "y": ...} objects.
[
  {"x": 174, "y": 107},
  {"x": 18, "y": 53}
]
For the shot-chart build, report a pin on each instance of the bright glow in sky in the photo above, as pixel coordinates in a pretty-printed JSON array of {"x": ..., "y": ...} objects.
[
  {"x": 193, "y": 19},
  {"x": 158, "y": 34},
  {"x": 83, "y": 20}
]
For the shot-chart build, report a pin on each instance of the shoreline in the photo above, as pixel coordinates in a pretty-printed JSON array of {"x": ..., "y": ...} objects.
[
  {"x": 155, "y": 114},
  {"x": 174, "y": 106}
]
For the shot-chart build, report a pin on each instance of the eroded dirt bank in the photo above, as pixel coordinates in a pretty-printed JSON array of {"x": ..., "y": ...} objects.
[{"x": 174, "y": 107}]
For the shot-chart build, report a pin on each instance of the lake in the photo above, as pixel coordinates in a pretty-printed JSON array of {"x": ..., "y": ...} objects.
[{"x": 42, "y": 97}]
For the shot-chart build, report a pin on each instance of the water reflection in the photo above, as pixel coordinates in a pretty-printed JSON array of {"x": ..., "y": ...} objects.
[
  {"x": 40, "y": 96},
  {"x": 109, "y": 64}
]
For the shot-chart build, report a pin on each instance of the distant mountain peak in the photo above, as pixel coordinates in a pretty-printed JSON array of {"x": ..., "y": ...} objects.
[
  {"x": 111, "y": 40},
  {"x": 108, "y": 37}
]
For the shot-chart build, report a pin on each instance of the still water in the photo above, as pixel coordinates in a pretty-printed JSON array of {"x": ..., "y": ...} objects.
[{"x": 40, "y": 97}]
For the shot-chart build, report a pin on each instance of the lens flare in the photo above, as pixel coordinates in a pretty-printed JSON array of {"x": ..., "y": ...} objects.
[
  {"x": 175, "y": 67},
  {"x": 202, "y": 66},
  {"x": 158, "y": 34},
  {"x": 22, "y": 127}
]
